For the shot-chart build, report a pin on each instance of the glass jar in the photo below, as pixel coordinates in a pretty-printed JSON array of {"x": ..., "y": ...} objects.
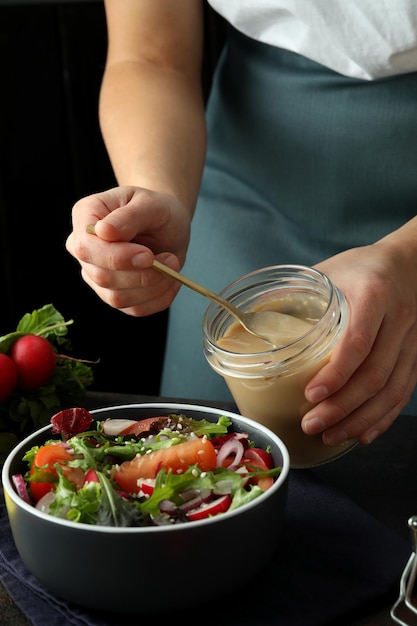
[{"x": 268, "y": 382}]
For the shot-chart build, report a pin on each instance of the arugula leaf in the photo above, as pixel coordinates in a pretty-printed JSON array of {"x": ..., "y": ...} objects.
[
  {"x": 129, "y": 450},
  {"x": 64, "y": 494},
  {"x": 167, "y": 487},
  {"x": 115, "y": 510},
  {"x": 203, "y": 427},
  {"x": 84, "y": 504},
  {"x": 88, "y": 454},
  {"x": 243, "y": 496}
]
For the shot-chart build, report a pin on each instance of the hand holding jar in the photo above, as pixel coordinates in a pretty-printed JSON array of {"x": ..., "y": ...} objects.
[{"x": 373, "y": 371}]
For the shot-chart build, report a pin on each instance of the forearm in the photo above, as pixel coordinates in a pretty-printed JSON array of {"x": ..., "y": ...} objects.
[{"x": 153, "y": 124}]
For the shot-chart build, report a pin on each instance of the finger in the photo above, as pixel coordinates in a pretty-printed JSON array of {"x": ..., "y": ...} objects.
[
  {"x": 375, "y": 416},
  {"x": 372, "y": 417},
  {"x": 116, "y": 255},
  {"x": 135, "y": 293},
  {"x": 383, "y": 423},
  {"x": 122, "y": 275},
  {"x": 139, "y": 215},
  {"x": 366, "y": 382},
  {"x": 354, "y": 347},
  {"x": 91, "y": 209}
]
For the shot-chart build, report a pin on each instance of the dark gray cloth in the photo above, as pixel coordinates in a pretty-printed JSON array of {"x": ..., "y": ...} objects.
[{"x": 334, "y": 560}]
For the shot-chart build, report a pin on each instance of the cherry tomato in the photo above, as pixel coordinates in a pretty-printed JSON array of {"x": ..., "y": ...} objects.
[
  {"x": 253, "y": 459},
  {"x": 44, "y": 462}
]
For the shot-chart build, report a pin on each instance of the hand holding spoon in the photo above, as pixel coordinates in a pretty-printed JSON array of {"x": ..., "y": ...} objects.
[{"x": 271, "y": 326}]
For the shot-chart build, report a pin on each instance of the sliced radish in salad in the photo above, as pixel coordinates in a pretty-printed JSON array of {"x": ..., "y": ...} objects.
[
  {"x": 220, "y": 505},
  {"x": 146, "y": 486},
  {"x": 91, "y": 476}
]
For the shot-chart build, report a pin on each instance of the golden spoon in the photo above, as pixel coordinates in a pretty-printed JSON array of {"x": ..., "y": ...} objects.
[{"x": 272, "y": 326}]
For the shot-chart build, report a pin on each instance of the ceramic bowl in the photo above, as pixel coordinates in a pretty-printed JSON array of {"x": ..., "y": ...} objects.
[{"x": 133, "y": 570}]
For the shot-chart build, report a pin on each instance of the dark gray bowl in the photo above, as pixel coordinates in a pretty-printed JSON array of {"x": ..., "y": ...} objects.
[{"x": 107, "y": 568}]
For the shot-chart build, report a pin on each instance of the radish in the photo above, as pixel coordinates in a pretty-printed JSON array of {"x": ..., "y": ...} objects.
[
  {"x": 221, "y": 505},
  {"x": 91, "y": 476},
  {"x": 35, "y": 361},
  {"x": 8, "y": 376}
]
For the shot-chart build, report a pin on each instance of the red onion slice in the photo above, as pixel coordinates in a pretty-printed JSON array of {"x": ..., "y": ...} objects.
[
  {"x": 231, "y": 448},
  {"x": 19, "y": 484}
]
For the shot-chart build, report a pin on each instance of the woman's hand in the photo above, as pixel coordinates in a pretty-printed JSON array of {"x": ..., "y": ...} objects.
[
  {"x": 373, "y": 371},
  {"x": 131, "y": 226}
]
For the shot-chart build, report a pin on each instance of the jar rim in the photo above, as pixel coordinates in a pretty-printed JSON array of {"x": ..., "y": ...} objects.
[{"x": 317, "y": 340}]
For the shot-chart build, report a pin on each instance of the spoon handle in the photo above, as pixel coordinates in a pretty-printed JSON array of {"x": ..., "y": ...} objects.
[{"x": 196, "y": 287}]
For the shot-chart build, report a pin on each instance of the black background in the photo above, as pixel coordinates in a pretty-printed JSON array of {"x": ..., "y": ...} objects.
[{"x": 52, "y": 58}]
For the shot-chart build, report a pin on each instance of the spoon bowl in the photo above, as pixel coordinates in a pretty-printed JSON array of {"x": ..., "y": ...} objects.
[{"x": 273, "y": 327}]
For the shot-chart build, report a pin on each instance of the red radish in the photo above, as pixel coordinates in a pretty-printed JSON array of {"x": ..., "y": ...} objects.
[
  {"x": 8, "y": 376},
  {"x": 147, "y": 485},
  {"x": 91, "y": 476},
  {"x": 114, "y": 427},
  {"x": 215, "y": 507},
  {"x": 35, "y": 361}
]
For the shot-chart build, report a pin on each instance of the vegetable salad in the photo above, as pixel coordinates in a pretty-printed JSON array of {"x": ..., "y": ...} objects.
[{"x": 161, "y": 470}]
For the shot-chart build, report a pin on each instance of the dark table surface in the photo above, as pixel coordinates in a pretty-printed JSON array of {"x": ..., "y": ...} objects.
[{"x": 381, "y": 478}]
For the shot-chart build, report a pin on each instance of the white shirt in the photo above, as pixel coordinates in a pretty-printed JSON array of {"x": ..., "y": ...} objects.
[{"x": 365, "y": 39}]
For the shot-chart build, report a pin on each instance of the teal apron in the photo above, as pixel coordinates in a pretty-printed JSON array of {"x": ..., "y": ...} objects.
[{"x": 302, "y": 163}]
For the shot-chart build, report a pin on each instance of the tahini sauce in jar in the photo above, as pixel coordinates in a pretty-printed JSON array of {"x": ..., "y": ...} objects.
[{"x": 268, "y": 383}]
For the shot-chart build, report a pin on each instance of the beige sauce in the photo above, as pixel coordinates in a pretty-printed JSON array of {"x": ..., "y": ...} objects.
[{"x": 278, "y": 401}]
